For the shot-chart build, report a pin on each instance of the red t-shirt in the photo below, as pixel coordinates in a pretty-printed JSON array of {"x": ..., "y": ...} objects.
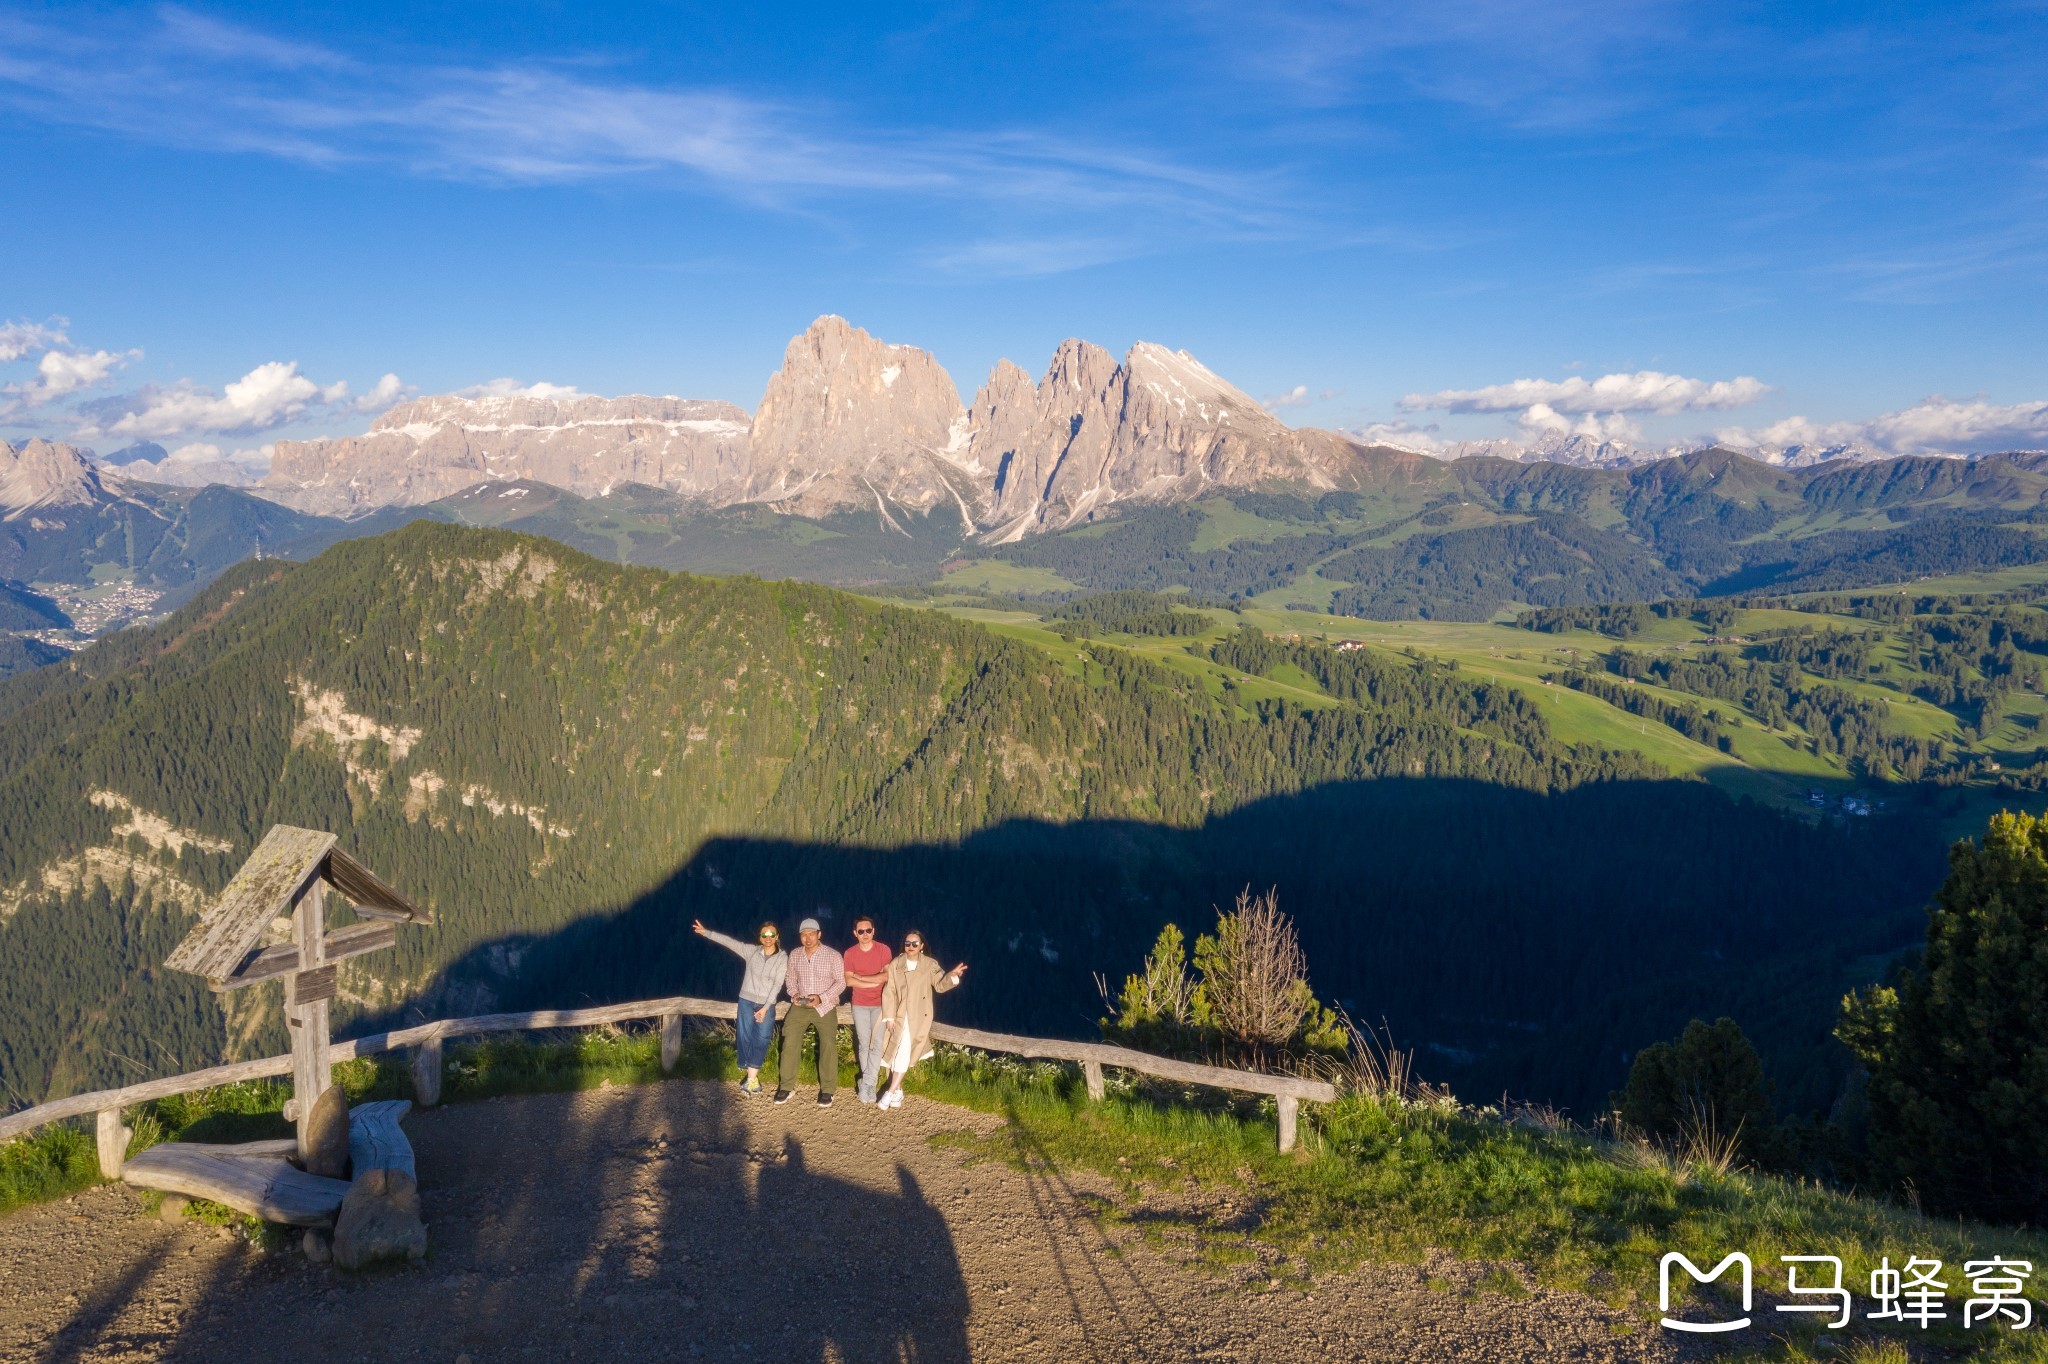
[{"x": 871, "y": 960}]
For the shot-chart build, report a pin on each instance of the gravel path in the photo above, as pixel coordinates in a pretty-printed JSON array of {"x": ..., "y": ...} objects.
[{"x": 682, "y": 1221}]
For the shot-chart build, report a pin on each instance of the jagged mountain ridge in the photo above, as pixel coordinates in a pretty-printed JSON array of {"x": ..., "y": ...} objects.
[
  {"x": 849, "y": 421},
  {"x": 430, "y": 448}
]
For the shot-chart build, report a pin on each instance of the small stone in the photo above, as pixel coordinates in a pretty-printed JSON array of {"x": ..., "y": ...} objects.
[
  {"x": 380, "y": 1220},
  {"x": 327, "y": 1135},
  {"x": 172, "y": 1209},
  {"x": 318, "y": 1245}
]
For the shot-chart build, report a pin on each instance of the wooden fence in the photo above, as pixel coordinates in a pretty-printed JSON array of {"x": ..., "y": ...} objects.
[{"x": 427, "y": 1039}]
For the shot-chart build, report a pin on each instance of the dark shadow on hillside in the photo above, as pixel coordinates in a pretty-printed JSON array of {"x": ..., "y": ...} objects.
[{"x": 1525, "y": 943}]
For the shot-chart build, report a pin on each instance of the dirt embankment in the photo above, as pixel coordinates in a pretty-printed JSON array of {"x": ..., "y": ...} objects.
[{"x": 682, "y": 1221}]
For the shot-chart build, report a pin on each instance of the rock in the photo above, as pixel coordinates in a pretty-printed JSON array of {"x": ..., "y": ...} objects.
[
  {"x": 327, "y": 1135},
  {"x": 45, "y": 475},
  {"x": 318, "y": 1245},
  {"x": 380, "y": 1220},
  {"x": 431, "y": 448},
  {"x": 172, "y": 1209},
  {"x": 849, "y": 420}
]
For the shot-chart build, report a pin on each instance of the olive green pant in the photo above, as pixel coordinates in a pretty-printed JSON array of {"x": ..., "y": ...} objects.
[{"x": 800, "y": 1020}]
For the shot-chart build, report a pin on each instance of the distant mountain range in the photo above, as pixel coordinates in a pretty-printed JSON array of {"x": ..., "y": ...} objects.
[
  {"x": 1588, "y": 452},
  {"x": 851, "y": 422}
]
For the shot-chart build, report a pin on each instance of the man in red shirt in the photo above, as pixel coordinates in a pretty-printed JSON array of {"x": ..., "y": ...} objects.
[{"x": 867, "y": 971}]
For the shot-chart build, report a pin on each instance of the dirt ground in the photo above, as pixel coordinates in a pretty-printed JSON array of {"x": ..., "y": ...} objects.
[{"x": 684, "y": 1221}]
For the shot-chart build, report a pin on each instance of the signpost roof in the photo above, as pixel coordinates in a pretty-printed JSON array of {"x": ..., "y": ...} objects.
[{"x": 269, "y": 884}]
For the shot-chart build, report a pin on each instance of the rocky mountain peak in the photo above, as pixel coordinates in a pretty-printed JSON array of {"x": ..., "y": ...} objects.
[
  {"x": 850, "y": 419},
  {"x": 45, "y": 475}
]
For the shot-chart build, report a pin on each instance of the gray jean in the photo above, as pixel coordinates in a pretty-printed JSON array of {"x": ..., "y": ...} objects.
[{"x": 867, "y": 1044}]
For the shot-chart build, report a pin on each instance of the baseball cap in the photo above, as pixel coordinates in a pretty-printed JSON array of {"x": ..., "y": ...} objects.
[{"x": 809, "y": 926}]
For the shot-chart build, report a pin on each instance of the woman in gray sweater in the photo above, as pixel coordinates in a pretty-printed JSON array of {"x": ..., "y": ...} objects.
[{"x": 767, "y": 969}]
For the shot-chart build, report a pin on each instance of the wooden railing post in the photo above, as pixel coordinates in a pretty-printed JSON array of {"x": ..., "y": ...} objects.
[
  {"x": 113, "y": 1141},
  {"x": 1092, "y": 1072},
  {"x": 671, "y": 1041},
  {"x": 426, "y": 1072},
  {"x": 1290, "y": 1111}
]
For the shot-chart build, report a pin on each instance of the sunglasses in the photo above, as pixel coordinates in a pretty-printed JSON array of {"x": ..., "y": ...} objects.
[
  {"x": 769, "y": 937},
  {"x": 863, "y": 932},
  {"x": 913, "y": 942}
]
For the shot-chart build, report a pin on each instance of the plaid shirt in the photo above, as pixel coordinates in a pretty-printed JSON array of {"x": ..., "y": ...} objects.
[{"x": 823, "y": 974}]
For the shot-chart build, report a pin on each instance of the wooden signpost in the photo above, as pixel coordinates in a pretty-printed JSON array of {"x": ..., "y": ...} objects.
[{"x": 290, "y": 872}]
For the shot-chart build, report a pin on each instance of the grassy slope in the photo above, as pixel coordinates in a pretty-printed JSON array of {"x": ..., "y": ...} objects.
[
  {"x": 1774, "y": 767},
  {"x": 1376, "y": 1180}
]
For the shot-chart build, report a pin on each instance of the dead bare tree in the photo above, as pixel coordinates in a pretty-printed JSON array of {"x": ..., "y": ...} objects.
[{"x": 1255, "y": 976}]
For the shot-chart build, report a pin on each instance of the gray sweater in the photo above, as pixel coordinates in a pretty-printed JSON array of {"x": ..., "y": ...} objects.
[{"x": 765, "y": 974}]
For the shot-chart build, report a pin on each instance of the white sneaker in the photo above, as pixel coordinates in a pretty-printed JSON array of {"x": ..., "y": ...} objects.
[{"x": 893, "y": 1099}]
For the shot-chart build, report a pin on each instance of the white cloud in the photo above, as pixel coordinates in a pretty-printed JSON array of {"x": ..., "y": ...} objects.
[
  {"x": 59, "y": 374},
  {"x": 1542, "y": 419},
  {"x": 19, "y": 338},
  {"x": 271, "y": 395},
  {"x": 1599, "y": 409},
  {"x": 1936, "y": 425},
  {"x": 1644, "y": 391},
  {"x": 387, "y": 392},
  {"x": 512, "y": 388},
  {"x": 1298, "y": 396}
]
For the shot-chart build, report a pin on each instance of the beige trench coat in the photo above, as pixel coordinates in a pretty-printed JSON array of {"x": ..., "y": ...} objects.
[{"x": 907, "y": 998}]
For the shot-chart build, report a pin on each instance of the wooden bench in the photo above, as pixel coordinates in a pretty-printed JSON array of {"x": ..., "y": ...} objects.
[{"x": 255, "y": 1177}]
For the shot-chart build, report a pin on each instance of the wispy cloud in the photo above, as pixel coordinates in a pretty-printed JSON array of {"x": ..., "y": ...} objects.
[
  {"x": 203, "y": 83},
  {"x": 1554, "y": 64},
  {"x": 20, "y": 338}
]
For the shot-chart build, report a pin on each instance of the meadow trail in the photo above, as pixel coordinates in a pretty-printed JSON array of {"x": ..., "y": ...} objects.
[{"x": 684, "y": 1221}]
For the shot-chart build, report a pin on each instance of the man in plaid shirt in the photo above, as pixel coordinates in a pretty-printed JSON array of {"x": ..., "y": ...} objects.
[{"x": 817, "y": 976}]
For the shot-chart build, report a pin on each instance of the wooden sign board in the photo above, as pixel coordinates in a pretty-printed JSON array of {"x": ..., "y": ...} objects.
[{"x": 309, "y": 987}]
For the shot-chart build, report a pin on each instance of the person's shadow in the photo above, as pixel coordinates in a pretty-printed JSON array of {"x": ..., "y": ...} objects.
[
  {"x": 659, "y": 1223},
  {"x": 884, "y": 1281}
]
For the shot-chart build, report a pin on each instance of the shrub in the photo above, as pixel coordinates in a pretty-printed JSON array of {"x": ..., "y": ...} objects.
[
  {"x": 1248, "y": 1000},
  {"x": 1706, "y": 1089}
]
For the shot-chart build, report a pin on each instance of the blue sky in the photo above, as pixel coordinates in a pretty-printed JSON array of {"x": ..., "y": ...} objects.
[{"x": 1485, "y": 219}]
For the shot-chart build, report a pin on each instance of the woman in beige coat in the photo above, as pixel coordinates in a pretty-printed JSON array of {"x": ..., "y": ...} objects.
[{"x": 914, "y": 981}]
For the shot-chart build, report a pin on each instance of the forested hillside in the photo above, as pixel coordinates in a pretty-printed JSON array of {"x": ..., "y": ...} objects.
[
  {"x": 1459, "y": 541},
  {"x": 568, "y": 760}
]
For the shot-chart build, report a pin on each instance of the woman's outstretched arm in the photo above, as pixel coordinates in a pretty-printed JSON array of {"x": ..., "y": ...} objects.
[{"x": 732, "y": 945}]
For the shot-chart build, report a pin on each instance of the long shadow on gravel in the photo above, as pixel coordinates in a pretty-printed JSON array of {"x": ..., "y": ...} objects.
[{"x": 654, "y": 1223}]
